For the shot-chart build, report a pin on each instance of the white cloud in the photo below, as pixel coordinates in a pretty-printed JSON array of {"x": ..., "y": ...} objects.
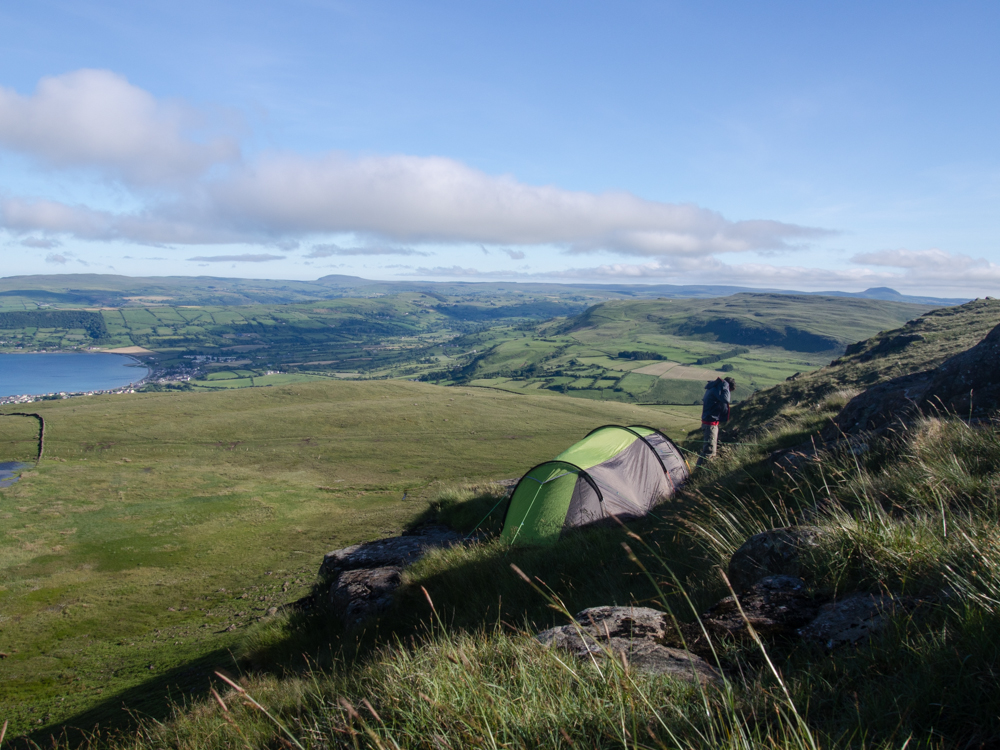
[
  {"x": 96, "y": 118},
  {"x": 55, "y": 258},
  {"x": 245, "y": 258},
  {"x": 433, "y": 199},
  {"x": 409, "y": 199},
  {"x": 55, "y": 217},
  {"x": 929, "y": 261},
  {"x": 150, "y": 227},
  {"x": 449, "y": 272}
]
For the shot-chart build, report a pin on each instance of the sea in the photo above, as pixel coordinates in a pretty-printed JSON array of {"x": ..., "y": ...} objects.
[{"x": 66, "y": 372}]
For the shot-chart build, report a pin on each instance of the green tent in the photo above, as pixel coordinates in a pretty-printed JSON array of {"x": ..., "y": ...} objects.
[{"x": 614, "y": 472}]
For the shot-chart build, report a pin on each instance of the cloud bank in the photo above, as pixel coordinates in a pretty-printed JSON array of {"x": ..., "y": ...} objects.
[
  {"x": 202, "y": 191},
  {"x": 955, "y": 273},
  {"x": 195, "y": 186},
  {"x": 329, "y": 250}
]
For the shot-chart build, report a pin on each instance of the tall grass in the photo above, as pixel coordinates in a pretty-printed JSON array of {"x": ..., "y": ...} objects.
[{"x": 455, "y": 665}]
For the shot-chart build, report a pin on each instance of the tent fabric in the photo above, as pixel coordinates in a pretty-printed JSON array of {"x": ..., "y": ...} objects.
[
  {"x": 670, "y": 455},
  {"x": 614, "y": 472}
]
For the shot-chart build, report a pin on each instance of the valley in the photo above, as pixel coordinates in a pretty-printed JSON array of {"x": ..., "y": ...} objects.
[{"x": 521, "y": 340}]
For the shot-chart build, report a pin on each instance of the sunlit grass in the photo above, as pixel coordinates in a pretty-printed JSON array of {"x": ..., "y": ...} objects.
[{"x": 134, "y": 542}]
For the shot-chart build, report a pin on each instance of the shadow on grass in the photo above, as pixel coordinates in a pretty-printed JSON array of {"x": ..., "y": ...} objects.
[
  {"x": 155, "y": 699},
  {"x": 473, "y": 589}
]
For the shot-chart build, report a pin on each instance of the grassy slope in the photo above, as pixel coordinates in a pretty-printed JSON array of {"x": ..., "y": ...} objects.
[
  {"x": 920, "y": 344},
  {"x": 916, "y": 517},
  {"x": 843, "y": 319},
  {"x": 579, "y": 356},
  {"x": 159, "y": 521}
]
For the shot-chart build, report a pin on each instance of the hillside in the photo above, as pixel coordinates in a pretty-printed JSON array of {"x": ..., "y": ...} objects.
[
  {"x": 161, "y": 526},
  {"x": 901, "y": 546},
  {"x": 650, "y": 351},
  {"x": 921, "y": 344},
  {"x": 663, "y": 351},
  {"x": 793, "y": 323}
]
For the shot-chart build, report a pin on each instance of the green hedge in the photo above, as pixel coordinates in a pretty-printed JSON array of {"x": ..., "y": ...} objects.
[{"x": 91, "y": 322}]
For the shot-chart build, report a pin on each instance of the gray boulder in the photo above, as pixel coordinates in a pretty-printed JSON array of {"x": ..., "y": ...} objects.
[
  {"x": 631, "y": 635},
  {"x": 777, "y": 552},
  {"x": 854, "y": 618},
  {"x": 358, "y": 594},
  {"x": 364, "y": 576},
  {"x": 774, "y": 606},
  {"x": 395, "y": 551}
]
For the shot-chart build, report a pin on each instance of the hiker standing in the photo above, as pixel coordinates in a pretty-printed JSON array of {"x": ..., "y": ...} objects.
[{"x": 715, "y": 409}]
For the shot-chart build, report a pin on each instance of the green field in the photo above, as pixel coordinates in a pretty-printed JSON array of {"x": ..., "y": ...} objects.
[
  {"x": 599, "y": 354},
  {"x": 159, "y": 526},
  {"x": 455, "y": 335}
]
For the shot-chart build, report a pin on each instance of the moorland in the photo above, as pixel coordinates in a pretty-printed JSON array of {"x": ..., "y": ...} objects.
[
  {"x": 160, "y": 526},
  {"x": 163, "y": 535}
]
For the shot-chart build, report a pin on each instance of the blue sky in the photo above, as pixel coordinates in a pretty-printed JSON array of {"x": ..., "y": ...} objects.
[{"x": 772, "y": 144}]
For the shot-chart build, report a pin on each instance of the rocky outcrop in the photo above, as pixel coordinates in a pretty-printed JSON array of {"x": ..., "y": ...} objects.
[
  {"x": 777, "y": 552},
  {"x": 775, "y": 606},
  {"x": 967, "y": 384},
  {"x": 364, "y": 576},
  {"x": 772, "y": 601},
  {"x": 782, "y": 607},
  {"x": 631, "y": 635},
  {"x": 855, "y": 618},
  {"x": 397, "y": 551}
]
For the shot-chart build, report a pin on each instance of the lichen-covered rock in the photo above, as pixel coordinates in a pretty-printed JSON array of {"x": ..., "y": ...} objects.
[
  {"x": 366, "y": 575},
  {"x": 774, "y": 606},
  {"x": 625, "y": 622},
  {"x": 397, "y": 550},
  {"x": 854, "y": 618},
  {"x": 631, "y": 635},
  {"x": 777, "y": 552},
  {"x": 358, "y": 594}
]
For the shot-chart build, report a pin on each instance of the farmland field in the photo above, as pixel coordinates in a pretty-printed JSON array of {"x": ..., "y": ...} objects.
[{"x": 637, "y": 351}]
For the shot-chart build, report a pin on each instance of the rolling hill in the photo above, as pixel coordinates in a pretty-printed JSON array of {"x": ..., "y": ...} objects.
[{"x": 663, "y": 351}]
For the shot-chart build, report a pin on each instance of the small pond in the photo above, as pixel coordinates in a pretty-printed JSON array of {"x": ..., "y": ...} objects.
[{"x": 10, "y": 472}]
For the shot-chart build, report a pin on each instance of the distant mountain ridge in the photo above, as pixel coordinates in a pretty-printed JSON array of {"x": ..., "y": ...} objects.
[
  {"x": 117, "y": 290},
  {"x": 891, "y": 295}
]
